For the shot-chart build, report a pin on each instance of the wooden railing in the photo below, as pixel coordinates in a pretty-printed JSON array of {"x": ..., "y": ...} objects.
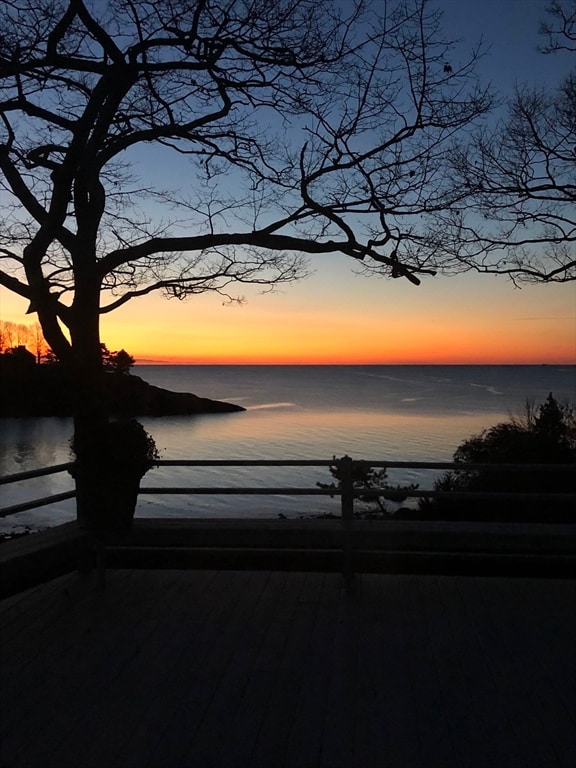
[
  {"x": 41, "y": 501},
  {"x": 347, "y": 491}
]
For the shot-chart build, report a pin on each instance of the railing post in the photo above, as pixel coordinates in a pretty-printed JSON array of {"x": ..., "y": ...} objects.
[{"x": 345, "y": 466}]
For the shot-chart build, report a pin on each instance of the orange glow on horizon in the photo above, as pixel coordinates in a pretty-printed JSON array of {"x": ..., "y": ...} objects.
[
  {"x": 418, "y": 361},
  {"x": 417, "y": 357},
  {"x": 358, "y": 344},
  {"x": 349, "y": 326},
  {"x": 452, "y": 322},
  {"x": 410, "y": 342}
]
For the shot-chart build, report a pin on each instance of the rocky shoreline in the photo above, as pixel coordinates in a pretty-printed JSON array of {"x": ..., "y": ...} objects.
[{"x": 50, "y": 391}]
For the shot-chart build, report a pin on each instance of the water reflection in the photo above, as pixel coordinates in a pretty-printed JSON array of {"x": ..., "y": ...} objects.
[
  {"x": 369, "y": 412},
  {"x": 295, "y": 434},
  {"x": 277, "y": 433},
  {"x": 31, "y": 443}
]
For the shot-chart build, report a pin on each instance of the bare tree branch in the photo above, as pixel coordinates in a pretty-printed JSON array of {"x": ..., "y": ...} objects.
[
  {"x": 299, "y": 127},
  {"x": 518, "y": 214},
  {"x": 560, "y": 27}
]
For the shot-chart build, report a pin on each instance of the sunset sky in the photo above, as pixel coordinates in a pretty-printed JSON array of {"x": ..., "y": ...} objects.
[{"x": 335, "y": 316}]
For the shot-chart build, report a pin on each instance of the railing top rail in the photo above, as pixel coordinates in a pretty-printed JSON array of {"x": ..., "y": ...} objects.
[
  {"x": 364, "y": 462},
  {"x": 32, "y": 473},
  {"x": 467, "y": 466},
  {"x": 35, "y": 503},
  {"x": 383, "y": 463},
  {"x": 349, "y": 493},
  {"x": 244, "y": 462}
]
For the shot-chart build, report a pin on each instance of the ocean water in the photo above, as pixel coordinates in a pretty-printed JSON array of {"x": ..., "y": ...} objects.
[{"x": 418, "y": 413}]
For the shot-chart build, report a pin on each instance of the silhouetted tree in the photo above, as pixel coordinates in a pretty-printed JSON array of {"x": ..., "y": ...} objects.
[
  {"x": 294, "y": 127},
  {"x": 116, "y": 362},
  {"x": 13, "y": 335},
  {"x": 544, "y": 435},
  {"x": 38, "y": 342},
  {"x": 297, "y": 128},
  {"x": 560, "y": 27},
  {"x": 518, "y": 211},
  {"x": 20, "y": 334},
  {"x": 372, "y": 487}
]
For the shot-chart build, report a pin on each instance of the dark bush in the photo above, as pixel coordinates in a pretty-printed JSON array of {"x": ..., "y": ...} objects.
[{"x": 543, "y": 435}]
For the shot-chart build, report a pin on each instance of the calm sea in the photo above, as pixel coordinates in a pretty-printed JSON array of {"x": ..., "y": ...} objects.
[{"x": 419, "y": 413}]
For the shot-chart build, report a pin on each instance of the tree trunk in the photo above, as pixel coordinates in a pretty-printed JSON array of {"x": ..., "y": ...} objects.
[{"x": 90, "y": 415}]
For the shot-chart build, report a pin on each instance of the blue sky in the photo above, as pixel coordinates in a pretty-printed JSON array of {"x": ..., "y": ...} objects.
[{"x": 337, "y": 316}]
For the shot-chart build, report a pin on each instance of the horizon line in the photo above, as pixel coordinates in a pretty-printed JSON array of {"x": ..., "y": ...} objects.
[{"x": 157, "y": 361}]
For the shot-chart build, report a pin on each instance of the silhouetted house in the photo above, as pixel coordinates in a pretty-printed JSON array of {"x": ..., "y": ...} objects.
[{"x": 18, "y": 359}]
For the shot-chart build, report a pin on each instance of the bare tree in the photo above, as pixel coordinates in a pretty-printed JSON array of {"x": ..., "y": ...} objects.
[
  {"x": 294, "y": 127},
  {"x": 517, "y": 215},
  {"x": 13, "y": 335},
  {"x": 560, "y": 27},
  {"x": 300, "y": 127},
  {"x": 20, "y": 334},
  {"x": 39, "y": 346}
]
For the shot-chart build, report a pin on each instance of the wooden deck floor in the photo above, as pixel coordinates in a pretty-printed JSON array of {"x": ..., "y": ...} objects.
[{"x": 229, "y": 669}]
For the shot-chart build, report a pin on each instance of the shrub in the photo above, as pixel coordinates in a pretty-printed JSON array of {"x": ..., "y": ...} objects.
[
  {"x": 366, "y": 478},
  {"x": 123, "y": 444},
  {"x": 542, "y": 435}
]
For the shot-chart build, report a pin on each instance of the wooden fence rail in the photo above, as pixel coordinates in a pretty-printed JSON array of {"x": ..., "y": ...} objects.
[{"x": 347, "y": 490}]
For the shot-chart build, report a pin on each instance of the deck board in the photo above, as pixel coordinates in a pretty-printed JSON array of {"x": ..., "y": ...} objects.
[{"x": 242, "y": 669}]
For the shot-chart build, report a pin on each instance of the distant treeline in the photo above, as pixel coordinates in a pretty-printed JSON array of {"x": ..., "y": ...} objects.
[
  {"x": 48, "y": 388},
  {"x": 17, "y": 335},
  {"x": 23, "y": 345}
]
